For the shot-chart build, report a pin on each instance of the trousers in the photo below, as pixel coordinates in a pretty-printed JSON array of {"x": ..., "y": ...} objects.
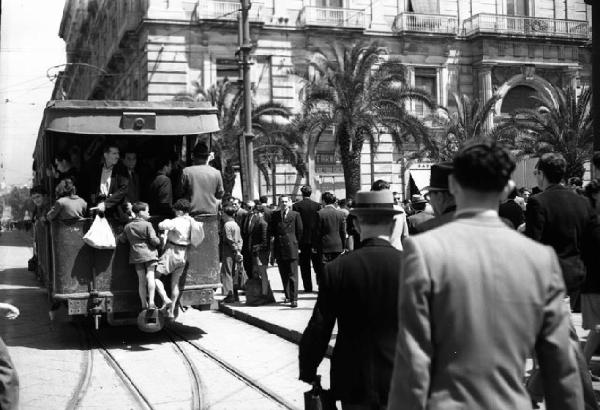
[{"x": 288, "y": 270}]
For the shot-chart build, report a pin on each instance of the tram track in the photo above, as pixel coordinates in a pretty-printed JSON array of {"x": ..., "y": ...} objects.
[
  {"x": 85, "y": 376},
  {"x": 234, "y": 371}
]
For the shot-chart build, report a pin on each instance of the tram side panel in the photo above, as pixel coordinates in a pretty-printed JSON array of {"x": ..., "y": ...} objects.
[{"x": 202, "y": 274}]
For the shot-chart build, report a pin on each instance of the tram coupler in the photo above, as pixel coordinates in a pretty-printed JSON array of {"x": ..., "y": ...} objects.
[{"x": 96, "y": 308}]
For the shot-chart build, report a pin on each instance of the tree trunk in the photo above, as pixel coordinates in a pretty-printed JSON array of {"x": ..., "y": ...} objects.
[
  {"x": 274, "y": 182},
  {"x": 350, "y": 160},
  {"x": 311, "y": 174},
  {"x": 228, "y": 178}
]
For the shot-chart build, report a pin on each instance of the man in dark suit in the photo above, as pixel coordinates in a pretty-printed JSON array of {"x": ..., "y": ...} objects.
[
  {"x": 330, "y": 235},
  {"x": 253, "y": 228},
  {"x": 418, "y": 204},
  {"x": 475, "y": 297},
  {"x": 511, "y": 210},
  {"x": 562, "y": 219},
  {"x": 107, "y": 185},
  {"x": 286, "y": 230},
  {"x": 359, "y": 291},
  {"x": 266, "y": 210},
  {"x": 307, "y": 208},
  {"x": 440, "y": 198}
]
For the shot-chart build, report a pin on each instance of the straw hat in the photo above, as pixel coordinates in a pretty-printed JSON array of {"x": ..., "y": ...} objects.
[{"x": 374, "y": 202}]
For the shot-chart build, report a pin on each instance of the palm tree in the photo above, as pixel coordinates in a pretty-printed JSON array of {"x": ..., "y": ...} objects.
[
  {"x": 359, "y": 92},
  {"x": 563, "y": 125},
  {"x": 227, "y": 97}
]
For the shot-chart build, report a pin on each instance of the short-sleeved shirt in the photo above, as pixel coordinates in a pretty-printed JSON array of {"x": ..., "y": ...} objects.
[{"x": 201, "y": 184}]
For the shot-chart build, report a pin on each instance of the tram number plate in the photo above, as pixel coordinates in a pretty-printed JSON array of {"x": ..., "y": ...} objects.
[{"x": 78, "y": 306}]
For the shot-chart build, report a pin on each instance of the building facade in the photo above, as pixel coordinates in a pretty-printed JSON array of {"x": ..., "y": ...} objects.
[{"x": 156, "y": 49}]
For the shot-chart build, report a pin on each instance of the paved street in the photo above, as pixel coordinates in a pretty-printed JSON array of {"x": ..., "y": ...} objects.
[{"x": 53, "y": 357}]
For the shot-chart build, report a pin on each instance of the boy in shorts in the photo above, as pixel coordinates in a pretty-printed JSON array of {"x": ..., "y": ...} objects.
[
  {"x": 143, "y": 252},
  {"x": 178, "y": 239}
]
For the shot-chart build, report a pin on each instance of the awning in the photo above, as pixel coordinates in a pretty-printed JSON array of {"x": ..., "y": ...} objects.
[
  {"x": 420, "y": 177},
  {"x": 425, "y": 6}
]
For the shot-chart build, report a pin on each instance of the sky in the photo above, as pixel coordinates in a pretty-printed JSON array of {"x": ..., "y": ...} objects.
[{"x": 29, "y": 46}]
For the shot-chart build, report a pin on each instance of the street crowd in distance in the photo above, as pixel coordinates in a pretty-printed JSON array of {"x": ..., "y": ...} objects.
[{"x": 439, "y": 300}]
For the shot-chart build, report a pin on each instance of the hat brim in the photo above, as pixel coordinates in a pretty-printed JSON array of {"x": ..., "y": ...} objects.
[
  {"x": 420, "y": 201},
  {"x": 433, "y": 189},
  {"x": 378, "y": 211}
]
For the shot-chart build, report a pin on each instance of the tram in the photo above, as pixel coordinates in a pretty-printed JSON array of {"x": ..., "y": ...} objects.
[{"x": 100, "y": 282}]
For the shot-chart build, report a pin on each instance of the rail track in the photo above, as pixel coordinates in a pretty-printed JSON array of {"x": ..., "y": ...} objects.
[{"x": 233, "y": 370}]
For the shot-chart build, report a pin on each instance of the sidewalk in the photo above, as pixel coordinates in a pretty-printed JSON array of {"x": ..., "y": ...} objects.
[{"x": 279, "y": 318}]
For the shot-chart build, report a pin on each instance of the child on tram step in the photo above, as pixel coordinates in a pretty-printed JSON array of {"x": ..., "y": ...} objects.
[
  {"x": 143, "y": 253},
  {"x": 181, "y": 232}
]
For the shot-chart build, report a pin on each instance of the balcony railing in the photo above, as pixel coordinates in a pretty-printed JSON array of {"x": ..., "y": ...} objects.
[
  {"x": 426, "y": 23},
  {"x": 331, "y": 17},
  {"x": 228, "y": 10},
  {"x": 525, "y": 26}
]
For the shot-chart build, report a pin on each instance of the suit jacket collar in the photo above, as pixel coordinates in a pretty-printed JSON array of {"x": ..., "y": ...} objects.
[
  {"x": 376, "y": 242},
  {"x": 554, "y": 187}
]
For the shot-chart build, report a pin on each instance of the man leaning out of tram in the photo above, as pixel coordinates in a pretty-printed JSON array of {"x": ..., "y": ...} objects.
[
  {"x": 69, "y": 206},
  {"x": 107, "y": 184}
]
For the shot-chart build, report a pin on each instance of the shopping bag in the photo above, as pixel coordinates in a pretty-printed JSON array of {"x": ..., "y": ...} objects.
[
  {"x": 258, "y": 289},
  {"x": 318, "y": 399},
  {"x": 240, "y": 277},
  {"x": 100, "y": 234}
]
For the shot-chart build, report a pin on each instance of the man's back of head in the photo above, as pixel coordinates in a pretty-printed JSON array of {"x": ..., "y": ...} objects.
[{"x": 306, "y": 191}]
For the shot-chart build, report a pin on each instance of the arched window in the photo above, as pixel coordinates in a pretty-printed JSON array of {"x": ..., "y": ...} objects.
[{"x": 519, "y": 97}]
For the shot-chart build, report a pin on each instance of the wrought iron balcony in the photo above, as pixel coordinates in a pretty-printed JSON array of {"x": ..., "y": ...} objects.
[
  {"x": 525, "y": 26},
  {"x": 426, "y": 23},
  {"x": 331, "y": 17},
  {"x": 228, "y": 10}
]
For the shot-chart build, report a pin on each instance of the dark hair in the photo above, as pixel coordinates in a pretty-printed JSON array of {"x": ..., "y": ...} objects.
[
  {"x": 38, "y": 189},
  {"x": 350, "y": 202},
  {"x": 182, "y": 205},
  {"x": 229, "y": 210},
  {"x": 513, "y": 193},
  {"x": 342, "y": 202},
  {"x": 259, "y": 208},
  {"x": 328, "y": 198},
  {"x": 483, "y": 166},
  {"x": 522, "y": 190},
  {"x": 139, "y": 206},
  {"x": 162, "y": 161},
  {"x": 108, "y": 146},
  {"x": 380, "y": 185},
  {"x": 575, "y": 181},
  {"x": 263, "y": 199},
  {"x": 306, "y": 190},
  {"x": 63, "y": 156},
  {"x": 596, "y": 159},
  {"x": 66, "y": 187},
  {"x": 592, "y": 189},
  {"x": 419, "y": 206},
  {"x": 201, "y": 151},
  {"x": 553, "y": 165}
]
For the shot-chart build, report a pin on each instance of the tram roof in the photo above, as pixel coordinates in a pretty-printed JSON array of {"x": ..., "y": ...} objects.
[{"x": 129, "y": 118}]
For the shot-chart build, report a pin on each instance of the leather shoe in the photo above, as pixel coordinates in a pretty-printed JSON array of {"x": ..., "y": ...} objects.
[
  {"x": 229, "y": 299},
  {"x": 294, "y": 304}
]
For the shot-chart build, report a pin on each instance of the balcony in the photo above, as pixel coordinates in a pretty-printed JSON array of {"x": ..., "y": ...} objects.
[
  {"x": 426, "y": 23},
  {"x": 228, "y": 10},
  {"x": 331, "y": 17},
  {"x": 525, "y": 26}
]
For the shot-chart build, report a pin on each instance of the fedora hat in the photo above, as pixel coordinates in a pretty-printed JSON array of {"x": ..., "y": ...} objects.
[
  {"x": 201, "y": 149},
  {"x": 438, "y": 179},
  {"x": 374, "y": 202},
  {"x": 417, "y": 199}
]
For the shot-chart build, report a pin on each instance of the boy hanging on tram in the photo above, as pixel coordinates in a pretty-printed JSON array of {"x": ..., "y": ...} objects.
[
  {"x": 181, "y": 232},
  {"x": 143, "y": 253}
]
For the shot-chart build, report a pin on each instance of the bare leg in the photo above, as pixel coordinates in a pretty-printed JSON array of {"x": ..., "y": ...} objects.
[
  {"x": 175, "y": 276},
  {"x": 593, "y": 341},
  {"x": 160, "y": 288},
  {"x": 142, "y": 285},
  {"x": 151, "y": 287}
]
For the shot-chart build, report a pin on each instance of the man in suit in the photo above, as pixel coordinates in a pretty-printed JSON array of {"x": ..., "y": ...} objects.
[
  {"x": 560, "y": 218},
  {"x": 511, "y": 210},
  {"x": 330, "y": 235},
  {"x": 475, "y": 298},
  {"x": 134, "y": 185},
  {"x": 359, "y": 291},
  {"x": 252, "y": 231},
  {"x": 400, "y": 224},
  {"x": 440, "y": 198},
  {"x": 286, "y": 230},
  {"x": 307, "y": 208},
  {"x": 107, "y": 185}
]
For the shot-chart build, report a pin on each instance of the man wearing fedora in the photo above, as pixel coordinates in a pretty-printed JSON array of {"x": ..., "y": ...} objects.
[
  {"x": 439, "y": 196},
  {"x": 359, "y": 291},
  {"x": 475, "y": 298},
  {"x": 418, "y": 204},
  {"x": 202, "y": 184}
]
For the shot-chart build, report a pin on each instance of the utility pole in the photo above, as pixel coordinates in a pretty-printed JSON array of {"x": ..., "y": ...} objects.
[
  {"x": 247, "y": 145},
  {"x": 242, "y": 139},
  {"x": 595, "y": 73}
]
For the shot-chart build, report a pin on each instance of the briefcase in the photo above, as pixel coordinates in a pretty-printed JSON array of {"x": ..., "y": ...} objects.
[{"x": 318, "y": 399}]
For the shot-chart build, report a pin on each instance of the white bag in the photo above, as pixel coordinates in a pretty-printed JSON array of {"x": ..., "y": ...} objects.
[
  {"x": 196, "y": 232},
  {"x": 100, "y": 235}
]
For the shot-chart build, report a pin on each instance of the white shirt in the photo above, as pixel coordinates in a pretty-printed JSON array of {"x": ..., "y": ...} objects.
[{"x": 105, "y": 179}]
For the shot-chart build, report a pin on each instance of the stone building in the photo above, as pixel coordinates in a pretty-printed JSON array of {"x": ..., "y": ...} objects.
[{"x": 154, "y": 49}]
